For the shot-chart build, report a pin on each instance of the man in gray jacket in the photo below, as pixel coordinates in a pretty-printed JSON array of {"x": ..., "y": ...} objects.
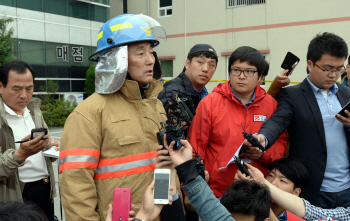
[{"x": 25, "y": 174}]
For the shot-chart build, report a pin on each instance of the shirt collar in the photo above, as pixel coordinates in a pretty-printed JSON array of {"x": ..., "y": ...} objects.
[
  {"x": 12, "y": 113},
  {"x": 202, "y": 94},
  {"x": 282, "y": 216},
  {"x": 333, "y": 89}
]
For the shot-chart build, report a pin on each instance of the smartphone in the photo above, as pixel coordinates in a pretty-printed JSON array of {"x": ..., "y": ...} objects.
[
  {"x": 38, "y": 131},
  {"x": 346, "y": 107},
  {"x": 121, "y": 204},
  {"x": 161, "y": 187},
  {"x": 290, "y": 62}
]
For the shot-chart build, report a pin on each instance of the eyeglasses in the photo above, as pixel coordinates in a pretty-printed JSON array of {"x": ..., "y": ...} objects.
[
  {"x": 331, "y": 71},
  {"x": 247, "y": 73}
]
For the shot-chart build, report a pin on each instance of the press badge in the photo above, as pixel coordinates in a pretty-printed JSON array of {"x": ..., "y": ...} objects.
[{"x": 260, "y": 118}]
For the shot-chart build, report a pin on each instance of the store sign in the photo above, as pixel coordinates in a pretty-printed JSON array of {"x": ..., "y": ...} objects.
[
  {"x": 62, "y": 52},
  {"x": 77, "y": 53}
]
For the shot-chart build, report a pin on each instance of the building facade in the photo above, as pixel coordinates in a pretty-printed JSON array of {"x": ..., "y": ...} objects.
[
  {"x": 56, "y": 37},
  {"x": 272, "y": 26}
]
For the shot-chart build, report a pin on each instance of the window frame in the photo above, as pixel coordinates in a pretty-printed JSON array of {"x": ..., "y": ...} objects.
[
  {"x": 235, "y": 2},
  {"x": 165, "y": 8}
]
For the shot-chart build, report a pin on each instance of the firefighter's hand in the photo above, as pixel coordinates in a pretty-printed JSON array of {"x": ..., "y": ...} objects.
[{"x": 163, "y": 160}]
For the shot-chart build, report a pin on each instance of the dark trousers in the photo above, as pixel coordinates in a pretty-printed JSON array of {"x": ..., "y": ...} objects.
[
  {"x": 329, "y": 200},
  {"x": 38, "y": 193}
]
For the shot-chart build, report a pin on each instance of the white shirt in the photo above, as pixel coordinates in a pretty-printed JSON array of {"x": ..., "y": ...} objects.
[{"x": 34, "y": 167}]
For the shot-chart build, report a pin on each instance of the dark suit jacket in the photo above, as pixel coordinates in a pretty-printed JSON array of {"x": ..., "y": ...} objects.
[{"x": 298, "y": 112}]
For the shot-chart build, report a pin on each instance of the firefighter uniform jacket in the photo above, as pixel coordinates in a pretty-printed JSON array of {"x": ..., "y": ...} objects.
[{"x": 108, "y": 143}]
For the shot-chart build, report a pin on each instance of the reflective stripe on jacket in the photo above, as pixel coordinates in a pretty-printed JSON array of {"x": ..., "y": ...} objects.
[{"x": 108, "y": 143}]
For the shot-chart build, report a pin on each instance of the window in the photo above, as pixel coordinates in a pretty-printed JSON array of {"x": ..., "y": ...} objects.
[
  {"x": 167, "y": 68},
  {"x": 8, "y": 2},
  {"x": 58, "y": 7},
  {"x": 165, "y": 8},
  {"x": 99, "y": 13},
  {"x": 36, "y": 5},
  {"x": 32, "y": 52},
  {"x": 38, "y": 84},
  {"x": 105, "y": 2},
  {"x": 238, "y": 3},
  {"x": 79, "y": 9}
]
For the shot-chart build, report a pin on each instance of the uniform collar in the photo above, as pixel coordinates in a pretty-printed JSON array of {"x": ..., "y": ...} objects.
[{"x": 131, "y": 89}]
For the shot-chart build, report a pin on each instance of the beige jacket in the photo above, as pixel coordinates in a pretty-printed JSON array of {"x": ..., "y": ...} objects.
[
  {"x": 10, "y": 189},
  {"x": 108, "y": 143}
]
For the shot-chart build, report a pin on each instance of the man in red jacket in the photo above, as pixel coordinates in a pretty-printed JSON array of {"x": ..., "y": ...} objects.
[{"x": 217, "y": 126}]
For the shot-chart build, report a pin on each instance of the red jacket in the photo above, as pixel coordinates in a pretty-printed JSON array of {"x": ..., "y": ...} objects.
[
  {"x": 292, "y": 217},
  {"x": 217, "y": 129}
]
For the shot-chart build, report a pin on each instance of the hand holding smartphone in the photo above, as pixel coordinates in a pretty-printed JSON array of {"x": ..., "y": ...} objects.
[
  {"x": 121, "y": 204},
  {"x": 35, "y": 133},
  {"x": 342, "y": 111},
  {"x": 162, "y": 184},
  {"x": 290, "y": 62}
]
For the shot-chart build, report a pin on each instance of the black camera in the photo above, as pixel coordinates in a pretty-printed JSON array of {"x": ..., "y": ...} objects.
[{"x": 181, "y": 105}]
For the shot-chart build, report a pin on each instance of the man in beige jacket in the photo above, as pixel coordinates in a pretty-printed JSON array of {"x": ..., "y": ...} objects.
[{"x": 108, "y": 142}]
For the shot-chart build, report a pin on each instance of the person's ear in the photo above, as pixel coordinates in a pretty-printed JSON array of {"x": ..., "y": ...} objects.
[
  {"x": 297, "y": 191},
  {"x": 1, "y": 87},
  {"x": 309, "y": 65},
  {"x": 267, "y": 219},
  {"x": 187, "y": 64}
]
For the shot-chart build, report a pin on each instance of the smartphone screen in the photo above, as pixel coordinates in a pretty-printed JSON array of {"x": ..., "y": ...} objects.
[
  {"x": 36, "y": 134},
  {"x": 38, "y": 131},
  {"x": 161, "y": 187}
]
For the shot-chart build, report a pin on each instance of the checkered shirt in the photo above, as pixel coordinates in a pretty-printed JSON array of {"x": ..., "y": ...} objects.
[{"x": 315, "y": 213}]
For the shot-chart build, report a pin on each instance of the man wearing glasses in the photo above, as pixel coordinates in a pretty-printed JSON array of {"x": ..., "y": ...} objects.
[
  {"x": 216, "y": 128},
  {"x": 319, "y": 137}
]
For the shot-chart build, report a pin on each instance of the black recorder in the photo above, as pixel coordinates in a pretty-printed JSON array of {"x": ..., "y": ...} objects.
[
  {"x": 181, "y": 106},
  {"x": 173, "y": 133},
  {"x": 199, "y": 163},
  {"x": 241, "y": 166},
  {"x": 290, "y": 62},
  {"x": 251, "y": 139}
]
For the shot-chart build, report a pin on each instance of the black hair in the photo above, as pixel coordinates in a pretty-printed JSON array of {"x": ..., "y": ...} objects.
[
  {"x": 16, "y": 211},
  {"x": 248, "y": 197},
  {"x": 202, "y": 53},
  {"x": 349, "y": 60},
  {"x": 343, "y": 75},
  {"x": 267, "y": 67},
  {"x": 18, "y": 66},
  {"x": 250, "y": 55},
  {"x": 326, "y": 43},
  {"x": 293, "y": 170}
]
